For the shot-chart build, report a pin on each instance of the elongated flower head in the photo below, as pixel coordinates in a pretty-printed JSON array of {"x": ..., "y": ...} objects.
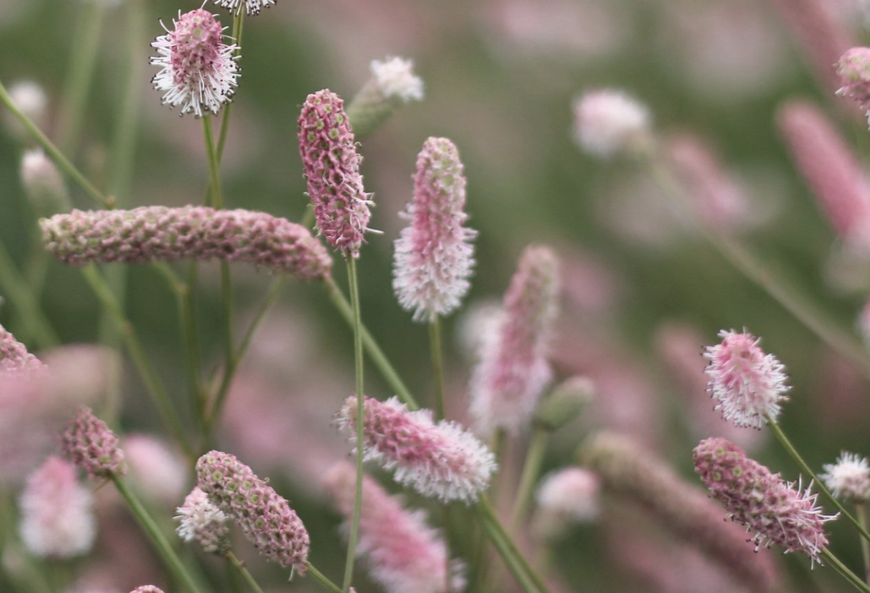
[
  {"x": 331, "y": 163},
  {"x": 853, "y": 68},
  {"x": 513, "y": 371},
  {"x": 849, "y": 478},
  {"x": 57, "y": 517},
  {"x": 264, "y": 516},
  {"x": 748, "y": 383},
  {"x": 198, "y": 70},
  {"x": 434, "y": 256},
  {"x": 608, "y": 122},
  {"x": 404, "y": 553},
  {"x": 251, "y": 6},
  {"x": 441, "y": 460},
  {"x": 92, "y": 446},
  {"x": 776, "y": 511},
  {"x": 158, "y": 233},
  {"x": 202, "y": 521}
]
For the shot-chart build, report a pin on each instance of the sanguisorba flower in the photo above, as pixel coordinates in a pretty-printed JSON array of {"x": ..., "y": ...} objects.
[
  {"x": 853, "y": 67},
  {"x": 608, "y": 122},
  {"x": 405, "y": 554},
  {"x": 748, "y": 383},
  {"x": 434, "y": 256},
  {"x": 393, "y": 83},
  {"x": 849, "y": 478},
  {"x": 14, "y": 354},
  {"x": 147, "y": 589},
  {"x": 202, "y": 521},
  {"x": 198, "y": 72},
  {"x": 442, "y": 460},
  {"x": 251, "y": 6},
  {"x": 158, "y": 233},
  {"x": 570, "y": 495},
  {"x": 264, "y": 516},
  {"x": 331, "y": 164},
  {"x": 776, "y": 511},
  {"x": 92, "y": 445}
]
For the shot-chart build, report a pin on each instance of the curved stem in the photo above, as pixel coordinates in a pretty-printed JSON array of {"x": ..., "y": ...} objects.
[
  {"x": 240, "y": 568},
  {"x": 322, "y": 580},
  {"x": 438, "y": 366},
  {"x": 844, "y": 571},
  {"x": 531, "y": 469}
]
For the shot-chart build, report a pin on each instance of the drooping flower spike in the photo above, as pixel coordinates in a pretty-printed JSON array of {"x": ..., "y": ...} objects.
[
  {"x": 433, "y": 256},
  {"x": 198, "y": 72},
  {"x": 441, "y": 460},
  {"x": 252, "y": 7}
]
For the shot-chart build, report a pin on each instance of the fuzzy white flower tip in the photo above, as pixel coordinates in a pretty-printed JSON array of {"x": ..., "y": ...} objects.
[
  {"x": 566, "y": 496},
  {"x": 252, "y": 7},
  {"x": 849, "y": 478},
  {"x": 202, "y": 521},
  {"x": 396, "y": 79},
  {"x": 609, "y": 122}
]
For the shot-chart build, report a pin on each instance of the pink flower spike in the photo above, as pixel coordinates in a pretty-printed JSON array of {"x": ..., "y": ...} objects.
[
  {"x": 853, "y": 67},
  {"x": 513, "y": 370},
  {"x": 776, "y": 511},
  {"x": 14, "y": 354},
  {"x": 331, "y": 163},
  {"x": 433, "y": 256},
  {"x": 202, "y": 521},
  {"x": 405, "y": 554},
  {"x": 252, "y": 7},
  {"x": 92, "y": 446},
  {"x": 441, "y": 460},
  {"x": 264, "y": 516},
  {"x": 199, "y": 71},
  {"x": 748, "y": 383}
]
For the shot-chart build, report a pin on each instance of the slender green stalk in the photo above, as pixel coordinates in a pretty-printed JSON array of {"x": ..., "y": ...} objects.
[
  {"x": 360, "y": 395},
  {"x": 134, "y": 347},
  {"x": 378, "y": 358},
  {"x": 149, "y": 526},
  {"x": 238, "y": 23},
  {"x": 437, "y": 366},
  {"x": 322, "y": 580},
  {"x": 861, "y": 511},
  {"x": 240, "y": 568},
  {"x": 504, "y": 551},
  {"x": 531, "y": 469},
  {"x": 844, "y": 571},
  {"x": 786, "y": 444},
  {"x": 16, "y": 289},
  {"x": 56, "y": 155}
]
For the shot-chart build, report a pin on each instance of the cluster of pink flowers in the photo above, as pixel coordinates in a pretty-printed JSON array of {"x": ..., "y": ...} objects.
[{"x": 90, "y": 444}]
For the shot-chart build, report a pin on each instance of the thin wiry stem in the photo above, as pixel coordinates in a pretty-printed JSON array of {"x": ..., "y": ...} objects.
[
  {"x": 861, "y": 511},
  {"x": 844, "y": 571},
  {"x": 531, "y": 469},
  {"x": 322, "y": 579},
  {"x": 240, "y": 568}
]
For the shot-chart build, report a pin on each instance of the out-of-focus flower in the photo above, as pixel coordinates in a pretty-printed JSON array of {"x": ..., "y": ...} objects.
[
  {"x": 433, "y": 256},
  {"x": 507, "y": 383},
  {"x": 251, "y": 6},
  {"x": 155, "y": 469},
  {"x": 776, "y": 511},
  {"x": 748, "y": 383},
  {"x": 158, "y": 233},
  {"x": 31, "y": 100},
  {"x": 608, "y": 122},
  {"x": 57, "y": 518},
  {"x": 849, "y": 478},
  {"x": 331, "y": 164},
  {"x": 202, "y": 521},
  {"x": 478, "y": 326},
  {"x": 198, "y": 70},
  {"x": 405, "y": 554},
  {"x": 853, "y": 67},
  {"x": 92, "y": 446},
  {"x": 147, "y": 589},
  {"x": 14, "y": 355},
  {"x": 393, "y": 83},
  {"x": 43, "y": 184},
  {"x": 264, "y": 516},
  {"x": 442, "y": 460},
  {"x": 565, "y": 403},
  {"x": 567, "y": 496}
]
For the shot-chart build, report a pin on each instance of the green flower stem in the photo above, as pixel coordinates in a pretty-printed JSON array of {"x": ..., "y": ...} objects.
[
  {"x": 844, "y": 571},
  {"x": 134, "y": 347},
  {"x": 22, "y": 298},
  {"x": 360, "y": 395},
  {"x": 240, "y": 568},
  {"x": 238, "y": 26},
  {"x": 437, "y": 366},
  {"x": 322, "y": 580},
  {"x": 786, "y": 444},
  {"x": 149, "y": 526},
  {"x": 531, "y": 469},
  {"x": 375, "y": 353},
  {"x": 861, "y": 511},
  {"x": 504, "y": 551},
  {"x": 56, "y": 155}
]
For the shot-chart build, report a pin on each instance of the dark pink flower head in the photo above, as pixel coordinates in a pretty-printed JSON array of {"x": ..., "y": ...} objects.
[
  {"x": 442, "y": 460},
  {"x": 199, "y": 70},
  {"x": 14, "y": 354},
  {"x": 434, "y": 256},
  {"x": 776, "y": 511},
  {"x": 854, "y": 70},
  {"x": 331, "y": 163},
  {"x": 264, "y": 516},
  {"x": 748, "y": 383},
  {"x": 92, "y": 445},
  {"x": 513, "y": 370}
]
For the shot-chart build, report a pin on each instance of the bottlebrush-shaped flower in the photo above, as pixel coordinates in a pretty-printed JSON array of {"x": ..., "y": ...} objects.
[
  {"x": 264, "y": 516},
  {"x": 57, "y": 517},
  {"x": 202, "y": 521},
  {"x": 331, "y": 163},
  {"x": 442, "y": 460},
  {"x": 158, "y": 233},
  {"x": 198, "y": 70},
  {"x": 513, "y": 371},
  {"x": 849, "y": 478},
  {"x": 853, "y": 67},
  {"x": 433, "y": 256},
  {"x": 405, "y": 554},
  {"x": 608, "y": 122},
  {"x": 748, "y": 383},
  {"x": 92, "y": 446},
  {"x": 251, "y": 6},
  {"x": 14, "y": 354},
  {"x": 776, "y": 511}
]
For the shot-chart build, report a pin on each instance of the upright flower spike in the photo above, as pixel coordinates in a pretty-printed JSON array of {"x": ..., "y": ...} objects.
[
  {"x": 198, "y": 72},
  {"x": 202, "y": 521},
  {"x": 158, "y": 233},
  {"x": 441, "y": 460},
  {"x": 608, "y": 122},
  {"x": 404, "y": 553},
  {"x": 92, "y": 446},
  {"x": 513, "y": 371},
  {"x": 748, "y": 383},
  {"x": 433, "y": 256},
  {"x": 393, "y": 83},
  {"x": 264, "y": 516},
  {"x": 331, "y": 163},
  {"x": 849, "y": 478},
  {"x": 776, "y": 511},
  {"x": 252, "y": 7}
]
